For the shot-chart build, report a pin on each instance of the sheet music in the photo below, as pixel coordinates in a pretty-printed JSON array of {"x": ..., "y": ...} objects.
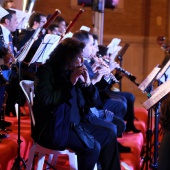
[
  {"x": 114, "y": 52},
  {"x": 68, "y": 35},
  {"x": 164, "y": 74},
  {"x": 22, "y": 18},
  {"x": 115, "y": 42},
  {"x": 85, "y": 28},
  {"x": 157, "y": 95},
  {"x": 46, "y": 47},
  {"x": 149, "y": 79}
]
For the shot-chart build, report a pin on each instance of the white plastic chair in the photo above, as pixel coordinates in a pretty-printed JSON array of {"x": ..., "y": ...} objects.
[{"x": 28, "y": 88}]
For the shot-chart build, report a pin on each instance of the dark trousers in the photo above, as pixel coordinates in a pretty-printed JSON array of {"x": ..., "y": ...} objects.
[
  {"x": 122, "y": 102},
  {"x": 105, "y": 148}
]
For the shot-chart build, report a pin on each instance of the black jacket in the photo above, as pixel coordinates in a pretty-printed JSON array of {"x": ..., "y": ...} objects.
[{"x": 52, "y": 104}]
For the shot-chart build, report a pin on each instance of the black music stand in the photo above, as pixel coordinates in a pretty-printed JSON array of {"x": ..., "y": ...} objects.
[
  {"x": 154, "y": 103},
  {"x": 162, "y": 75},
  {"x": 120, "y": 58},
  {"x": 147, "y": 87}
]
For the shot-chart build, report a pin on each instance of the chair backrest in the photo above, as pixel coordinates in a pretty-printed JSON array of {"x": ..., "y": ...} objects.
[{"x": 28, "y": 88}]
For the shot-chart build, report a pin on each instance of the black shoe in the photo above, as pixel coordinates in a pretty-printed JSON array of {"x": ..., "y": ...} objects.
[
  {"x": 132, "y": 128},
  {"x": 123, "y": 149}
]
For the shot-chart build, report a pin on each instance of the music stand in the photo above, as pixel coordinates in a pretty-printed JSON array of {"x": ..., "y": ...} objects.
[
  {"x": 153, "y": 103},
  {"x": 146, "y": 85}
]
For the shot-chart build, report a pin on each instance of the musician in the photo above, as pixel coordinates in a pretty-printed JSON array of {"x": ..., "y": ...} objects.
[
  {"x": 63, "y": 92},
  {"x": 36, "y": 20},
  {"x": 53, "y": 29},
  {"x": 7, "y": 53},
  {"x": 60, "y": 21},
  {"x": 126, "y": 98},
  {"x": 164, "y": 150},
  {"x": 87, "y": 38}
]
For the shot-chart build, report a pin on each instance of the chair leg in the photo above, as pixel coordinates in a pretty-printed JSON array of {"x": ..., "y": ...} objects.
[
  {"x": 55, "y": 158},
  {"x": 50, "y": 161},
  {"x": 30, "y": 158},
  {"x": 41, "y": 159},
  {"x": 95, "y": 167},
  {"x": 73, "y": 161}
]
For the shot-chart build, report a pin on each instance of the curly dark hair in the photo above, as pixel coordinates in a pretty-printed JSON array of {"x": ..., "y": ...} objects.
[
  {"x": 66, "y": 51},
  {"x": 165, "y": 113}
]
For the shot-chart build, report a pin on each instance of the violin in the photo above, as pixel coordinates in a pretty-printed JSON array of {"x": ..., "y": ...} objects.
[{"x": 164, "y": 46}]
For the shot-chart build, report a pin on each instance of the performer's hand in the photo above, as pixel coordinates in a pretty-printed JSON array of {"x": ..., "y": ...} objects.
[{"x": 85, "y": 76}]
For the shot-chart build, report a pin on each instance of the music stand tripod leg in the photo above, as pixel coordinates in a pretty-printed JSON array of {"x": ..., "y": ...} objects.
[
  {"x": 147, "y": 157},
  {"x": 154, "y": 165},
  {"x": 17, "y": 165}
]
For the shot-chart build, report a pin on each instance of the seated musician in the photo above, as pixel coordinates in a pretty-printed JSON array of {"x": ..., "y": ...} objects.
[
  {"x": 118, "y": 105},
  {"x": 63, "y": 95},
  {"x": 125, "y": 97},
  {"x": 96, "y": 77},
  {"x": 36, "y": 20},
  {"x": 61, "y": 23},
  {"x": 7, "y": 53},
  {"x": 53, "y": 29}
]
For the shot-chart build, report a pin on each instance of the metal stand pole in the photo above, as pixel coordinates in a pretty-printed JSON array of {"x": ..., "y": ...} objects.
[{"x": 98, "y": 25}]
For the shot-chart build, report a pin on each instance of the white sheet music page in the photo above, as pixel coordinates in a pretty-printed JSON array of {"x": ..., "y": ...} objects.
[
  {"x": 157, "y": 95},
  {"x": 48, "y": 44},
  {"x": 68, "y": 35},
  {"x": 114, "y": 51},
  {"x": 164, "y": 74},
  {"x": 115, "y": 42},
  {"x": 149, "y": 79}
]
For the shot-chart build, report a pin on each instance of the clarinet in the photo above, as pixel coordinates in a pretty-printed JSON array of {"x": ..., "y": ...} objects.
[{"x": 127, "y": 74}]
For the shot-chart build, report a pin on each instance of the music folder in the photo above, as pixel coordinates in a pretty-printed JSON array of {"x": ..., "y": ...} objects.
[
  {"x": 43, "y": 52},
  {"x": 157, "y": 95},
  {"x": 149, "y": 79}
]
